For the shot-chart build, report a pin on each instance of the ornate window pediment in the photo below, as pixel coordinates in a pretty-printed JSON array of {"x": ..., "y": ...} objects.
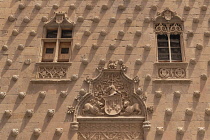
[{"x": 60, "y": 18}]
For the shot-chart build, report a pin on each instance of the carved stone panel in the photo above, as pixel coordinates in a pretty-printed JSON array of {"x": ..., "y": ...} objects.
[
  {"x": 52, "y": 71},
  {"x": 110, "y": 131},
  {"x": 171, "y": 70}
]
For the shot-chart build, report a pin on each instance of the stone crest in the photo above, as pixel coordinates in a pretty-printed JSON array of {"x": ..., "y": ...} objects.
[
  {"x": 113, "y": 101},
  {"x": 112, "y": 93}
]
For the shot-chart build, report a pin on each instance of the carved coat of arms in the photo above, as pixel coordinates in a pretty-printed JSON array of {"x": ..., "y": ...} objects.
[{"x": 113, "y": 102}]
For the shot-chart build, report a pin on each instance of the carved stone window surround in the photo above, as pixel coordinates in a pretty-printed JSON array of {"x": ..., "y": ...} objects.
[
  {"x": 169, "y": 28},
  {"x": 52, "y": 72},
  {"x": 56, "y": 42}
]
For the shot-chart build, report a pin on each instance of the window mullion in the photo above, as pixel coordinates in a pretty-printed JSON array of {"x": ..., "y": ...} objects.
[
  {"x": 57, "y": 44},
  {"x": 169, "y": 47}
]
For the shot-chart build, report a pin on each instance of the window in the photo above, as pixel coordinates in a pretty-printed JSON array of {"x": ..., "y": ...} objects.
[
  {"x": 169, "y": 47},
  {"x": 169, "y": 29},
  {"x": 57, "y": 45},
  {"x": 57, "y": 39}
]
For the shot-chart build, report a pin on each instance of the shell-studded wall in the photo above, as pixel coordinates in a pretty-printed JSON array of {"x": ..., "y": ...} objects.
[{"x": 42, "y": 75}]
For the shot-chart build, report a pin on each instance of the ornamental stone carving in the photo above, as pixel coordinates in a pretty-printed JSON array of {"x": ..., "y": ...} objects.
[
  {"x": 113, "y": 105},
  {"x": 70, "y": 110},
  {"x": 172, "y": 73},
  {"x": 51, "y": 72},
  {"x": 60, "y": 18},
  {"x": 110, "y": 131},
  {"x": 110, "y": 93}
]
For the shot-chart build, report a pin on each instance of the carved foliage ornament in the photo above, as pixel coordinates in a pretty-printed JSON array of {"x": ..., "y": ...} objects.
[
  {"x": 172, "y": 28},
  {"x": 112, "y": 93}
]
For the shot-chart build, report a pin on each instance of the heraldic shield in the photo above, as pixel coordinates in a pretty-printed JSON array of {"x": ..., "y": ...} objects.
[{"x": 113, "y": 103}]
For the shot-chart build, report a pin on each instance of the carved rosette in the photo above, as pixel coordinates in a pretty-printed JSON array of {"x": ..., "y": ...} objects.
[
  {"x": 171, "y": 70},
  {"x": 172, "y": 73}
]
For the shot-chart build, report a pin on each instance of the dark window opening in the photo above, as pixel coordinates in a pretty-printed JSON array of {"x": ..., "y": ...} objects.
[
  {"x": 49, "y": 50},
  {"x": 64, "y": 50},
  {"x": 52, "y": 33},
  {"x": 169, "y": 51},
  {"x": 66, "y": 34}
]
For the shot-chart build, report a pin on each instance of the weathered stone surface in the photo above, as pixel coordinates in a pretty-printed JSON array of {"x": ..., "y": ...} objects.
[{"x": 108, "y": 36}]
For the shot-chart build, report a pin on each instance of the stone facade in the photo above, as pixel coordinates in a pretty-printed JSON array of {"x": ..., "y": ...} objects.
[{"x": 107, "y": 80}]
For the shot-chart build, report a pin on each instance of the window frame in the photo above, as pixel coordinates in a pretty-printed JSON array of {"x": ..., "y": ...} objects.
[
  {"x": 169, "y": 48},
  {"x": 57, "y": 40}
]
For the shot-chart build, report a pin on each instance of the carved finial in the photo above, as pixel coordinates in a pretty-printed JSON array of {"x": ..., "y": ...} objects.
[{"x": 112, "y": 65}]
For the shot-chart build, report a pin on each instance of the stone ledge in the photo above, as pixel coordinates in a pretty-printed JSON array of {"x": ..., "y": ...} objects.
[
  {"x": 176, "y": 64},
  {"x": 172, "y": 80},
  {"x": 54, "y": 63},
  {"x": 50, "y": 81},
  {"x": 111, "y": 119}
]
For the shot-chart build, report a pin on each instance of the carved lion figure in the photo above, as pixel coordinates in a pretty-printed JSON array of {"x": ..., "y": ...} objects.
[
  {"x": 129, "y": 109},
  {"x": 93, "y": 108}
]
